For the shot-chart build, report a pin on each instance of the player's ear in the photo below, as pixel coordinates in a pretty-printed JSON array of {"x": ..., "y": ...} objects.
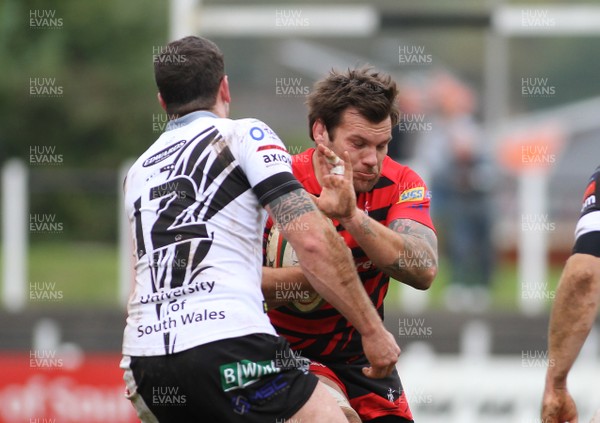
[
  {"x": 224, "y": 90},
  {"x": 320, "y": 132},
  {"x": 161, "y": 101}
]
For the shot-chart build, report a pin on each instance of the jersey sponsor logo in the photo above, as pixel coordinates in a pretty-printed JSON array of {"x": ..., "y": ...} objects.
[
  {"x": 269, "y": 390},
  {"x": 277, "y": 158},
  {"x": 242, "y": 404},
  {"x": 392, "y": 394},
  {"x": 162, "y": 296},
  {"x": 259, "y": 133},
  {"x": 256, "y": 133},
  {"x": 589, "y": 203},
  {"x": 589, "y": 196},
  {"x": 271, "y": 147},
  {"x": 413, "y": 194},
  {"x": 168, "y": 322},
  {"x": 245, "y": 372},
  {"x": 364, "y": 264},
  {"x": 163, "y": 154}
]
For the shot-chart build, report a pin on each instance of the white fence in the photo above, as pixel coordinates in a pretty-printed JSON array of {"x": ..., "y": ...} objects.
[
  {"x": 15, "y": 236},
  {"x": 455, "y": 389},
  {"x": 476, "y": 387}
]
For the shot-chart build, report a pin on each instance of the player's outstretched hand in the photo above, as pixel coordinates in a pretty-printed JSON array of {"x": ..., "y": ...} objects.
[
  {"x": 382, "y": 351},
  {"x": 558, "y": 407},
  {"x": 338, "y": 198}
]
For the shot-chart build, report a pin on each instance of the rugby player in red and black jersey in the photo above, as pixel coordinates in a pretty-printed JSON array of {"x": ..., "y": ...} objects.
[{"x": 382, "y": 213}]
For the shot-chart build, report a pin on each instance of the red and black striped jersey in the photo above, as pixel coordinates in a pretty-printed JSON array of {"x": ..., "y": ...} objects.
[{"x": 324, "y": 334}]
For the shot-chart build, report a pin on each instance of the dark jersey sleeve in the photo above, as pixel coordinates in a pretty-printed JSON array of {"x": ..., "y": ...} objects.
[
  {"x": 266, "y": 163},
  {"x": 587, "y": 232}
]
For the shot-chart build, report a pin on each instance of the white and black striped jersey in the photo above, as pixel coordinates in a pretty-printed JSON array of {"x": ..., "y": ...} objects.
[
  {"x": 195, "y": 202},
  {"x": 587, "y": 232}
]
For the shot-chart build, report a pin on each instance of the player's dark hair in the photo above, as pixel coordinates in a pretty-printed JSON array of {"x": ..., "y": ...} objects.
[
  {"x": 372, "y": 93},
  {"x": 188, "y": 72}
]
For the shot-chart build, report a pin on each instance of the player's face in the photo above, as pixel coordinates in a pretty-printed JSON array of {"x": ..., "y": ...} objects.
[{"x": 367, "y": 144}]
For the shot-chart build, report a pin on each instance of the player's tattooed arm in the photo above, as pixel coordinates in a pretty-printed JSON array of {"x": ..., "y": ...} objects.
[
  {"x": 405, "y": 250},
  {"x": 284, "y": 210},
  {"x": 365, "y": 225},
  {"x": 416, "y": 262},
  {"x": 290, "y": 206}
]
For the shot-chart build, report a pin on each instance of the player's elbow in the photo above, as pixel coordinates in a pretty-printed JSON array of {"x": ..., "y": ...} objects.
[
  {"x": 426, "y": 278},
  {"x": 310, "y": 247},
  {"x": 323, "y": 247}
]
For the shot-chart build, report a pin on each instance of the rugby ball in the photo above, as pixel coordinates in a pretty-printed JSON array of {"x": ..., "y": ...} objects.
[{"x": 279, "y": 253}]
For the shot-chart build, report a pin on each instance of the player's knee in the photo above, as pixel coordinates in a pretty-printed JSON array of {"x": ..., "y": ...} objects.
[
  {"x": 320, "y": 407},
  {"x": 351, "y": 415},
  {"x": 341, "y": 400}
]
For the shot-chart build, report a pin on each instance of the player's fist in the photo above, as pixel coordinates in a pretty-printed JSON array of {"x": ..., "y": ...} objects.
[
  {"x": 382, "y": 351},
  {"x": 558, "y": 407}
]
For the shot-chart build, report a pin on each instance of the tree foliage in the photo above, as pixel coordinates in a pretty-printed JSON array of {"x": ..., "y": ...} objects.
[
  {"x": 100, "y": 55},
  {"x": 95, "y": 60}
]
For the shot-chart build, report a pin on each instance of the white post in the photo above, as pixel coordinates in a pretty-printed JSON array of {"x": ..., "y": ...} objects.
[
  {"x": 533, "y": 244},
  {"x": 412, "y": 300},
  {"x": 496, "y": 75},
  {"x": 125, "y": 242},
  {"x": 183, "y": 18},
  {"x": 14, "y": 240}
]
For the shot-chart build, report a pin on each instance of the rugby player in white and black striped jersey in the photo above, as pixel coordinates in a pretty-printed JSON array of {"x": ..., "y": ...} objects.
[{"x": 198, "y": 345}]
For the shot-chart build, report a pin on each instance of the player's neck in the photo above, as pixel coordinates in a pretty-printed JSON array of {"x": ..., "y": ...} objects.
[
  {"x": 316, "y": 169},
  {"x": 221, "y": 109}
]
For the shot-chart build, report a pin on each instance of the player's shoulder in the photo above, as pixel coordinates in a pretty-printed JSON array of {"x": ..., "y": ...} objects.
[
  {"x": 400, "y": 174},
  {"x": 404, "y": 182},
  {"x": 251, "y": 135},
  {"x": 164, "y": 147},
  {"x": 303, "y": 168},
  {"x": 303, "y": 159},
  {"x": 253, "y": 128},
  {"x": 591, "y": 192}
]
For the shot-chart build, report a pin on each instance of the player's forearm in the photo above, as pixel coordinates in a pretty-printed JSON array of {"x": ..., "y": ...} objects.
[
  {"x": 407, "y": 257},
  {"x": 572, "y": 316},
  {"x": 279, "y": 285},
  {"x": 331, "y": 271}
]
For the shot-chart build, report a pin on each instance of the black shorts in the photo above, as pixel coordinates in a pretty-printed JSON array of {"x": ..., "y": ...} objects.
[
  {"x": 254, "y": 378},
  {"x": 373, "y": 399}
]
